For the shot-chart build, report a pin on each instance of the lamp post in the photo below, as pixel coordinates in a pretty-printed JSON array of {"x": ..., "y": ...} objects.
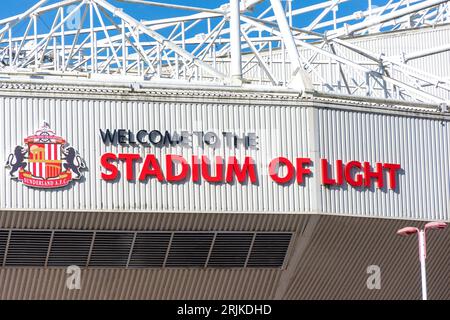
[{"x": 422, "y": 248}]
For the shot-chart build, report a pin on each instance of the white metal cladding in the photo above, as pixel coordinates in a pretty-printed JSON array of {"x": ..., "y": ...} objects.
[
  {"x": 397, "y": 44},
  {"x": 421, "y": 146},
  {"x": 281, "y": 130}
]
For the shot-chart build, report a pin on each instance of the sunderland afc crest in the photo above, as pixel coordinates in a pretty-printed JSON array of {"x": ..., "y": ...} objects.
[{"x": 45, "y": 161}]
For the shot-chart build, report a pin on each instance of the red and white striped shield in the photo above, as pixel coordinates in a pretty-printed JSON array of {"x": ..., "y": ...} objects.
[{"x": 45, "y": 160}]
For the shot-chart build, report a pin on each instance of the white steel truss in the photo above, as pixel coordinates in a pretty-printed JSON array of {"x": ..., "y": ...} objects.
[{"x": 270, "y": 43}]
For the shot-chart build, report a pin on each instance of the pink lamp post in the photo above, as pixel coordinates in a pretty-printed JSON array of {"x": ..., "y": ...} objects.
[{"x": 422, "y": 247}]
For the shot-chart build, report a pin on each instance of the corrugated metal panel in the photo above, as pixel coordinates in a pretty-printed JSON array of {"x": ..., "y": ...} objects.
[
  {"x": 142, "y": 221},
  {"x": 390, "y": 44},
  {"x": 421, "y": 146},
  {"x": 335, "y": 263},
  {"x": 395, "y": 43},
  {"x": 140, "y": 284},
  {"x": 406, "y": 42},
  {"x": 333, "y": 266},
  {"x": 281, "y": 130}
]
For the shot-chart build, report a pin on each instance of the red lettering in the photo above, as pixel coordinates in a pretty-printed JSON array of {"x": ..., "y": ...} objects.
[
  {"x": 195, "y": 169},
  {"x": 151, "y": 167},
  {"x": 248, "y": 169},
  {"x": 274, "y": 168},
  {"x": 392, "y": 171},
  {"x": 339, "y": 173},
  {"x": 301, "y": 170},
  {"x": 325, "y": 178},
  {"x": 170, "y": 168},
  {"x": 358, "y": 181},
  {"x": 129, "y": 158},
  {"x": 109, "y": 166},
  {"x": 354, "y": 173},
  {"x": 219, "y": 170},
  {"x": 377, "y": 175}
]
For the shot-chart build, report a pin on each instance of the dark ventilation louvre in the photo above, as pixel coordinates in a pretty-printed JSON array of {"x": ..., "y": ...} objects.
[
  {"x": 230, "y": 250},
  {"x": 189, "y": 249},
  {"x": 28, "y": 248},
  {"x": 3, "y": 241},
  {"x": 149, "y": 250},
  {"x": 269, "y": 250},
  {"x": 111, "y": 249},
  {"x": 143, "y": 249},
  {"x": 70, "y": 248}
]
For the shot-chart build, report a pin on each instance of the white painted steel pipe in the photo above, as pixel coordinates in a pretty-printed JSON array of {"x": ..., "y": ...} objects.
[
  {"x": 235, "y": 40},
  {"x": 422, "y": 254}
]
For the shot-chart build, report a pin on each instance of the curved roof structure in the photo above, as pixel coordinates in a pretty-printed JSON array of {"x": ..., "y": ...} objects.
[{"x": 261, "y": 43}]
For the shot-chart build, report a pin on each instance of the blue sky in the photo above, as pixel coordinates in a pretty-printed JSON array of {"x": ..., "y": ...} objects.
[{"x": 145, "y": 12}]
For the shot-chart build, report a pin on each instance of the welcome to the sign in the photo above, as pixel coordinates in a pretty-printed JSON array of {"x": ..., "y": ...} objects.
[{"x": 182, "y": 138}]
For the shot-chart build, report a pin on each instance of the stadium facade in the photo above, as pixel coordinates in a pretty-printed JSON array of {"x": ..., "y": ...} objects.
[{"x": 231, "y": 153}]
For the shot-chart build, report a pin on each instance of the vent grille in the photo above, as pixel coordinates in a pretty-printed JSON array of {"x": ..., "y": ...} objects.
[
  {"x": 28, "y": 248},
  {"x": 149, "y": 250},
  {"x": 269, "y": 250},
  {"x": 230, "y": 250},
  {"x": 111, "y": 249},
  {"x": 70, "y": 248},
  {"x": 189, "y": 249},
  {"x": 125, "y": 249}
]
